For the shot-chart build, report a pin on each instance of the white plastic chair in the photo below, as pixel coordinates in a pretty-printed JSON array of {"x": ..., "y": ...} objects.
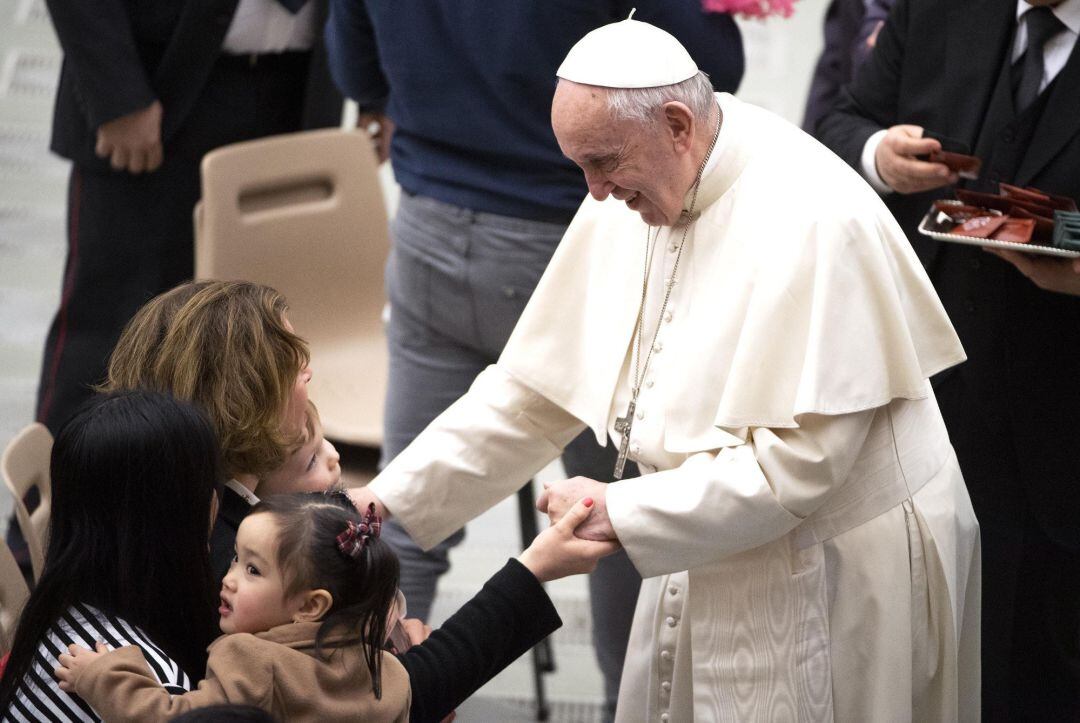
[
  {"x": 304, "y": 214},
  {"x": 25, "y": 466}
]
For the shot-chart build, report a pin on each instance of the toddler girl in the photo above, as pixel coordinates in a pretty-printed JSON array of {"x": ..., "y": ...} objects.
[{"x": 305, "y": 609}]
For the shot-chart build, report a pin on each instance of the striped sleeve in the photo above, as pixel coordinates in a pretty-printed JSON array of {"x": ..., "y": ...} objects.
[{"x": 39, "y": 697}]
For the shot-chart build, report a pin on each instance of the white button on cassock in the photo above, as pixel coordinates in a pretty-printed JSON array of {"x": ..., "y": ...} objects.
[
  {"x": 666, "y": 686},
  {"x": 658, "y": 347},
  {"x": 649, "y": 383},
  {"x": 640, "y": 414},
  {"x": 671, "y": 621}
]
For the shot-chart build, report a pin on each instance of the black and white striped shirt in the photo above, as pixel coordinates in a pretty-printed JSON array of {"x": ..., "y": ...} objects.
[{"x": 39, "y": 697}]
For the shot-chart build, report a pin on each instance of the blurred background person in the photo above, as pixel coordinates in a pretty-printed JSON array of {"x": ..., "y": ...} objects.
[
  {"x": 145, "y": 92},
  {"x": 851, "y": 28},
  {"x": 458, "y": 95}
]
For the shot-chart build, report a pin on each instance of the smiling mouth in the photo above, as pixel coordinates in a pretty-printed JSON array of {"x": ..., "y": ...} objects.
[{"x": 632, "y": 198}]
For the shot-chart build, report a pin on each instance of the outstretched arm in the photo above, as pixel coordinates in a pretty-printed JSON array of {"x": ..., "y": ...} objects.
[
  {"x": 483, "y": 448},
  {"x": 507, "y": 617},
  {"x": 120, "y": 686}
]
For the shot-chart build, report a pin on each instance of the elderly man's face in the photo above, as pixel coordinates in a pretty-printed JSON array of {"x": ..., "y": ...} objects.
[{"x": 637, "y": 164}]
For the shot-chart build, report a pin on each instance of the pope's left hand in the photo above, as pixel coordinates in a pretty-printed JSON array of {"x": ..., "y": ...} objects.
[
  {"x": 559, "y": 497},
  {"x": 1052, "y": 274}
]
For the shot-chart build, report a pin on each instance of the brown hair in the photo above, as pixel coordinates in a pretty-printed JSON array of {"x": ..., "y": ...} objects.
[{"x": 224, "y": 346}]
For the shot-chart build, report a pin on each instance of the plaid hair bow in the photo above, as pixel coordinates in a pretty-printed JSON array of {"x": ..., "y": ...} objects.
[{"x": 351, "y": 542}]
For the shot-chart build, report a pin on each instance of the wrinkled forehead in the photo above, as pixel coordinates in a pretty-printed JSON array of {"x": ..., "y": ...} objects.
[{"x": 581, "y": 119}]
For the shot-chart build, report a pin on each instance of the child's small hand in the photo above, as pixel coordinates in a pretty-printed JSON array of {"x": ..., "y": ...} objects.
[
  {"x": 72, "y": 662},
  {"x": 557, "y": 552}
]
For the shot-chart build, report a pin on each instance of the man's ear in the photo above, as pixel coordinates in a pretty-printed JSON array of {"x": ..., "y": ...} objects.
[
  {"x": 315, "y": 605},
  {"x": 680, "y": 124}
]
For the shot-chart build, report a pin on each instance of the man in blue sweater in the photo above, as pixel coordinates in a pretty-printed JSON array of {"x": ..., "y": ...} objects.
[{"x": 464, "y": 89}]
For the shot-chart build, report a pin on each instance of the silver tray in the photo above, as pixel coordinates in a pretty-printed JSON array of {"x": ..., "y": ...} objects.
[{"x": 929, "y": 227}]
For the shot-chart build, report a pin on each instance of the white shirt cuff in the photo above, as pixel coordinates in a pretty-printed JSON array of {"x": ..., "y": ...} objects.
[{"x": 869, "y": 165}]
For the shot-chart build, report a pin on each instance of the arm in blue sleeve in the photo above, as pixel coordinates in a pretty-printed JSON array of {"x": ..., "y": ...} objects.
[
  {"x": 712, "y": 39},
  {"x": 354, "y": 55}
]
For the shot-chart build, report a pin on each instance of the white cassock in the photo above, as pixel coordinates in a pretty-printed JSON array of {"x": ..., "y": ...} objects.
[{"x": 808, "y": 544}]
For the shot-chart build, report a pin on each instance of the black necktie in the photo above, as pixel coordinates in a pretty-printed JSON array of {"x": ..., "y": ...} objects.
[
  {"x": 1042, "y": 25},
  {"x": 293, "y": 6}
]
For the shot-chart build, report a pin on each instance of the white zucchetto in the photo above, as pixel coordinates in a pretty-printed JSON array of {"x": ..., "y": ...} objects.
[{"x": 628, "y": 54}]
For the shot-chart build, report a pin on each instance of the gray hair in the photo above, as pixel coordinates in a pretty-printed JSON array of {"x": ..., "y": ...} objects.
[{"x": 643, "y": 104}]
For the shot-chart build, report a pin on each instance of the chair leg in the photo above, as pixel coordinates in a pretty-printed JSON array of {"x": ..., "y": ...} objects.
[{"x": 543, "y": 657}]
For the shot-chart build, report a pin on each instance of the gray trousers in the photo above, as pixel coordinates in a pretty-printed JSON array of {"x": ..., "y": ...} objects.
[{"x": 458, "y": 280}]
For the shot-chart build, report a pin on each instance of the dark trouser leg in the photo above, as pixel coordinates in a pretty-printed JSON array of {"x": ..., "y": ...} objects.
[
  {"x": 1046, "y": 632},
  {"x": 1030, "y": 603}
]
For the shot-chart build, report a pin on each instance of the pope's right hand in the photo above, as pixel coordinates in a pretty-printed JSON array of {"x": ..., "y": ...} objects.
[
  {"x": 132, "y": 142},
  {"x": 898, "y": 166},
  {"x": 361, "y": 497}
]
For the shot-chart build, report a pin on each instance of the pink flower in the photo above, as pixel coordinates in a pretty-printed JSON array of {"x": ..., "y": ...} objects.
[{"x": 749, "y": 8}]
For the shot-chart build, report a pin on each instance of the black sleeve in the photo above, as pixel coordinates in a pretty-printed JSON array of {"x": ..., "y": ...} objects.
[
  {"x": 100, "y": 52},
  {"x": 507, "y": 617},
  {"x": 869, "y": 103},
  {"x": 712, "y": 39}
]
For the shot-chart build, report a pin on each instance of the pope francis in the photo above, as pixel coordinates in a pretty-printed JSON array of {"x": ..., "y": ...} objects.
[{"x": 737, "y": 311}]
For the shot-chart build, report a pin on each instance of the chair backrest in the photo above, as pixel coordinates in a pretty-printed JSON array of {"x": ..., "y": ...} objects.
[
  {"x": 13, "y": 595},
  {"x": 304, "y": 213},
  {"x": 25, "y": 466}
]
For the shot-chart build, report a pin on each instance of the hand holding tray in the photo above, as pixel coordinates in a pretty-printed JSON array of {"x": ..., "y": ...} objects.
[{"x": 940, "y": 227}]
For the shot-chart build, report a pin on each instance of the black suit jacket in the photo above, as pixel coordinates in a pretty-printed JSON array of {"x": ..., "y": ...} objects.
[
  {"x": 232, "y": 509},
  {"x": 937, "y": 65},
  {"x": 121, "y": 55}
]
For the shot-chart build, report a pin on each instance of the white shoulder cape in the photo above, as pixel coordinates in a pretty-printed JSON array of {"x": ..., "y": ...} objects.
[{"x": 806, "y": 296}]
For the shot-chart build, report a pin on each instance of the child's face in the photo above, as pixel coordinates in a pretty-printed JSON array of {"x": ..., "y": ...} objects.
[
  {"x": 253, "y": 592},
  {"x": 313, "y": 467}
]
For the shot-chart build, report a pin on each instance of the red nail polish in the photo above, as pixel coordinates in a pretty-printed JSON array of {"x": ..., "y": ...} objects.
[{"x": 588, "y": 501}]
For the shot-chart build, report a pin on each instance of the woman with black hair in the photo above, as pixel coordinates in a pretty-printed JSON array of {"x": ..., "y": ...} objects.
[{"x": 134, "y": 477}]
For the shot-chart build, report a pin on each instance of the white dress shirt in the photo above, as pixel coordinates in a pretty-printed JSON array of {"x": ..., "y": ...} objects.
[
  {"x": 1055, "y": 54},
  {"x": 264, "y": 26},
  {"x": 250, "y": 497}
]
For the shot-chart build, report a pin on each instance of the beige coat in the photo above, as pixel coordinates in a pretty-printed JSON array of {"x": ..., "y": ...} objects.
[
  {"x": 807, "y": 539},
  {"x": 275, "y": 671}
]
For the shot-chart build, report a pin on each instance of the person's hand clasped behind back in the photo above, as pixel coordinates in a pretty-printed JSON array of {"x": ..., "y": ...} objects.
[
  {"x": 132, "y": 142},
  {"x": 381, "y": 130},
  {"x": 896, "y": 162}
]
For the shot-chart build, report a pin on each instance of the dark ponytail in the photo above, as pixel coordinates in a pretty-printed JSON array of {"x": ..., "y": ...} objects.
[{"x": 363, "y": 586}]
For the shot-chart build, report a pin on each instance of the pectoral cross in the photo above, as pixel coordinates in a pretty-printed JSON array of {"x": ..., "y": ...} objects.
[{"x": 623, "y": 426}]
